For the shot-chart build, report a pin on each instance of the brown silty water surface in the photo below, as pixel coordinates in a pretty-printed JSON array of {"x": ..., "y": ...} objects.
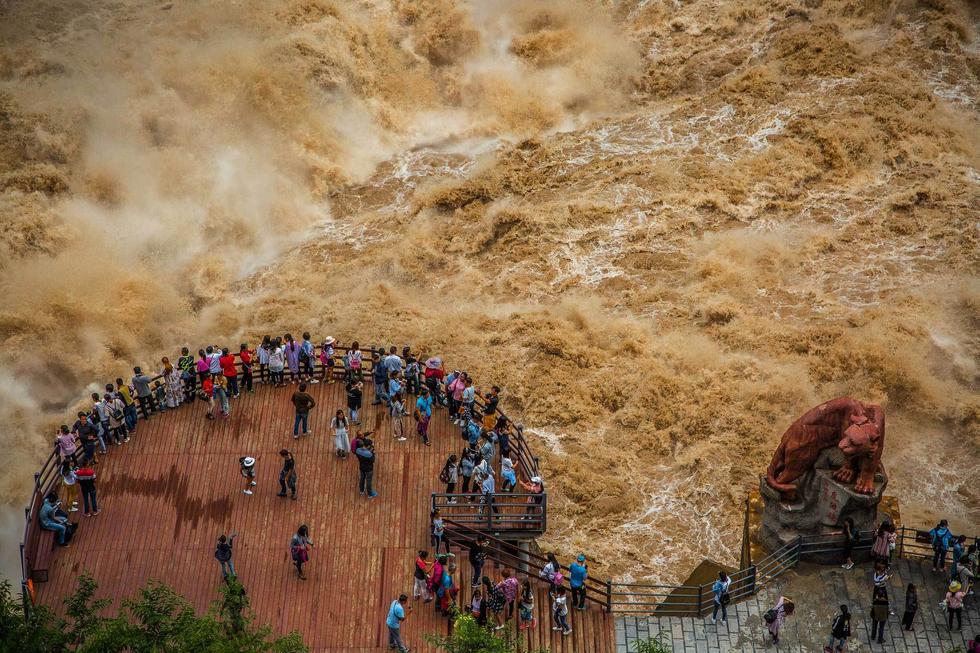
[{"x": 664, "y": 229}]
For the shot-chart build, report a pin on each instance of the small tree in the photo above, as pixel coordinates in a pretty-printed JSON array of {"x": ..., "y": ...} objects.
[
  {"x": 652, "y": 645},
  {"x": 470, "y": 637},
  {"x": 156, "y": 620},
  {"x": 41, "y": 632}
]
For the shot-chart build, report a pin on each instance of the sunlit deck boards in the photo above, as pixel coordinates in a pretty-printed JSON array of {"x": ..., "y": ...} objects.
[{"x": 168, "y": 493}]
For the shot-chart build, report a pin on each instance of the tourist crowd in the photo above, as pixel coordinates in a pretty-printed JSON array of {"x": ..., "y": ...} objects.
[{"x": 409, "y": 387}]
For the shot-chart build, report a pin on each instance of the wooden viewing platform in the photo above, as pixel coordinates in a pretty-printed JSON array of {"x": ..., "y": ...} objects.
[{"x": 168, "y": 493}]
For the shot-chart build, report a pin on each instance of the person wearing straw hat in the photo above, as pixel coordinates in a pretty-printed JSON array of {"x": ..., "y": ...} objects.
[
  {"x": 247, "y": 464},
  {"x": 326, "y": 357},
  {"x": 954, "y": 604}
]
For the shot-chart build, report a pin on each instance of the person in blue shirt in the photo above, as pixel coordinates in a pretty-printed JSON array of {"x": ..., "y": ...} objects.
[
  {"x": 720, "y": 590},
  {"x": 941, "y": 539},
  {"x": 472, "y": 433},
  {"x": 396, "y": 615},
  {"x": 423, "y": 413},
  {"x": 578, "y": 571},
  {"x": 51, "y": 520}
]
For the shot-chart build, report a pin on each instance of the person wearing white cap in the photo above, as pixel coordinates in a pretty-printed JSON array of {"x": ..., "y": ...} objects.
[
  {"x": 535, "y": 487},
  {"x": 248, "y": 472}
]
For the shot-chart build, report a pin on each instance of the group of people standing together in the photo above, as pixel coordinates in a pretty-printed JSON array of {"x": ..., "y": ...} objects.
[{"x": 960, "y": 580}]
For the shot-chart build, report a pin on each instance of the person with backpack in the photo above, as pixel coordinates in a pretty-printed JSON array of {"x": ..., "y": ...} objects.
[
  {"x": 879, "y": 613},
  {"x": 86, "y": 483},
  {"x": 941, "y": 539},
  {"x": 550, "y": 571},
  {"x": 299, "y": 549},
  {"x": 307, "y": 359},
  {"x": 326, "y": 358},
  {"x": 776, "y": 616},
  {"x": 117, "y": 418},
  {"x": 412, "y": 372},
  {"x": 721, "y": 597},
  {"x": 449, "y": 475},
  {"x": 560, "y": 609},
  {"x": 840, "y": 630},
  {"x": 911, "y": 607},
  {"x": 420, "y": 573},
  {"x": 287, "y": 475},
  {"x": 222, "y": 553},
  {"x": 434, "y": 374},
  {"x": 366, "y": 459}
]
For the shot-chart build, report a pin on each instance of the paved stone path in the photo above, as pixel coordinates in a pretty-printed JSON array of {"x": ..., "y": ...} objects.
[{"x": 817, "y": 591}]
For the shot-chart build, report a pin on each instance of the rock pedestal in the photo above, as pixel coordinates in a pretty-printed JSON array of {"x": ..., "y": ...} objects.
[{"x": 820, "y": 507}]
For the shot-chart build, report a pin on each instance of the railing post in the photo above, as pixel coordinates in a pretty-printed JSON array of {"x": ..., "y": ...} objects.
[
  {"x": 699, "y": 602},
  {"x": 799, "y": 549},
  {"x": 752, "y": 571},
  {"x": 609, "y": 595},
  {"x": 901, "y": 543}
]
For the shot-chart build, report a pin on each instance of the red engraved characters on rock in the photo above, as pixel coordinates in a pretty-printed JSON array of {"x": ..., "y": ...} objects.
[{"x": 856, "y": 428}]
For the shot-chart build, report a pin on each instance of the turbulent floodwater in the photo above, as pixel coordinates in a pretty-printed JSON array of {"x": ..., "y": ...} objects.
[{"x": 665, "y": 228}]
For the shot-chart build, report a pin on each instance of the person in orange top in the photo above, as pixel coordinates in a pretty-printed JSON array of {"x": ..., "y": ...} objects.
[{"x": 207, "y": 394}]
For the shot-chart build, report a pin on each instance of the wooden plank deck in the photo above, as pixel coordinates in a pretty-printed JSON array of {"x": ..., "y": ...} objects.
[{"x": 168, "y": 493}]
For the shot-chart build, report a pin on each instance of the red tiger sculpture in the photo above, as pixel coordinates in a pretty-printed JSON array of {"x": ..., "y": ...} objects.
[{"x": 856, "y": 428}]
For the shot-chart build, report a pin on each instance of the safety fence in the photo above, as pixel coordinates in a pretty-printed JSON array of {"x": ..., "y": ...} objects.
[
  {"x": 698, "y": 600},
  {"x": 511, "y": 514}
]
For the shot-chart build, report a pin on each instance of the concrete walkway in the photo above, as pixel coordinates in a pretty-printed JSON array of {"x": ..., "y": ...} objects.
[{"x": 817, "y": 591}]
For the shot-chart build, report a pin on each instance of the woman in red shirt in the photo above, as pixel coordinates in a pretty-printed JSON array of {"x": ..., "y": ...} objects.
[
  {"x": 246, "y": 357},
  {"x": 230, "y": 372}
]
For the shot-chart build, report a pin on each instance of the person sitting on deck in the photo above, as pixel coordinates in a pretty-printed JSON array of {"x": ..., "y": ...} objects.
[{"x": 52, "y": 519}]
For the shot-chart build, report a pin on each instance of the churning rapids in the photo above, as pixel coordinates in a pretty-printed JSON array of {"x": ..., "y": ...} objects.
[{"x": 665, "y": 228}]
